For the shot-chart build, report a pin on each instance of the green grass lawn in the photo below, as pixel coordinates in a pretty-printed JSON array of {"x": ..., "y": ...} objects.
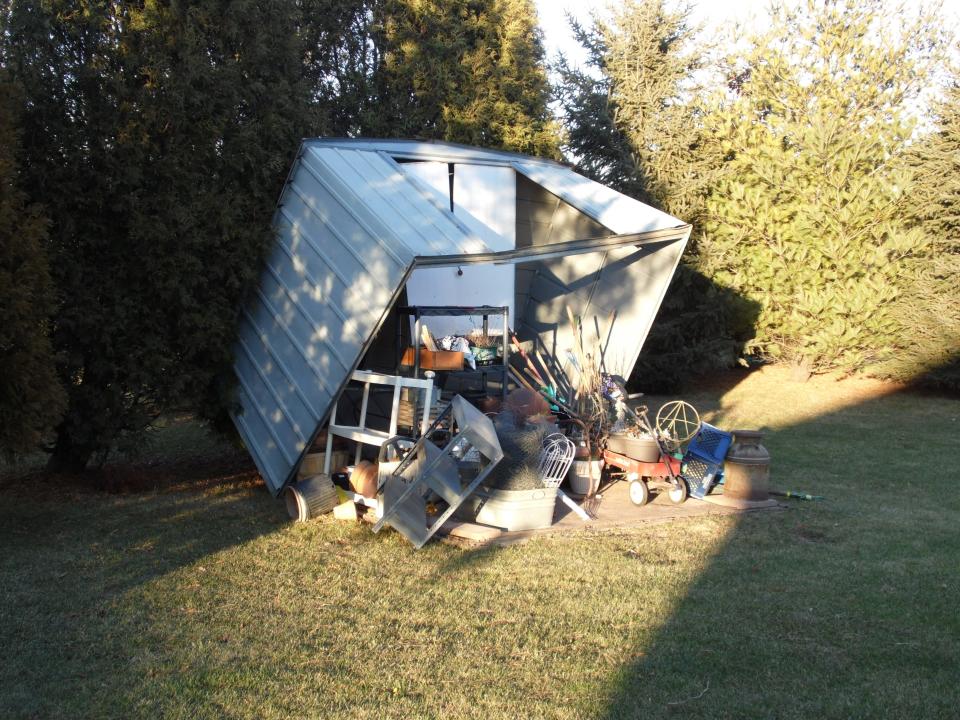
[{"x": 196, "y": 597}]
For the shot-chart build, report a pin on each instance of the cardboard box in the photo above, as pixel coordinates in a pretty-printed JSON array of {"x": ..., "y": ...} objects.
[{"x": 434, "y": 360}]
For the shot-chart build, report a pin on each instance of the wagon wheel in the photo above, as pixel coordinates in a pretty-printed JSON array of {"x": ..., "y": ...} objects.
[
  {"x": 678, "y": 493},
  {"x": 677, "y": 422},
  {"x": 639, "y": 492}
]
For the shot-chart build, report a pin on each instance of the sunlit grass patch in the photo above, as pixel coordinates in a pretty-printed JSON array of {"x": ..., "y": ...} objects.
[{"x": 198, "y": 598}]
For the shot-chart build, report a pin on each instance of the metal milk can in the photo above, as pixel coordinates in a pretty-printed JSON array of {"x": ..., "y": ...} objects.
[{"x": 746, "y": 468}]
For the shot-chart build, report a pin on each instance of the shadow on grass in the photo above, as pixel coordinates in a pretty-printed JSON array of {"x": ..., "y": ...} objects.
[
  {"x": 137, "y": 605},
  {"x": 468, "y": 561},
  {"x": 72, "y": 556},
  {"x": 840, "y": 608}
]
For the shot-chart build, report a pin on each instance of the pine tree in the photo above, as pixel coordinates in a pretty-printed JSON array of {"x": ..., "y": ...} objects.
[
  {"x": 158, "y": 136},
  {"x": 465, "y": 71},
  {"x": 633, "y": 122},
  {"x": 31, "y": 397},
  {"x": 593, "y": 140},
  {"x": 927, "y": 348},
  {"x": 808, "y": 218}
]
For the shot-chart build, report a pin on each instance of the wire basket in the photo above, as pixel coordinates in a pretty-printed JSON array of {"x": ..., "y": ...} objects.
[{"x": 556, "y": 457}]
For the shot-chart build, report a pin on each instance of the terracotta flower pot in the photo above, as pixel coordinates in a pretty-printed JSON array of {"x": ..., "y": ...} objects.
[{"x": 363, "y": 479}]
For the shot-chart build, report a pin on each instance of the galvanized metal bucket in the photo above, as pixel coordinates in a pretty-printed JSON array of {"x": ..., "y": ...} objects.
[{"x": 311, "y": 497}]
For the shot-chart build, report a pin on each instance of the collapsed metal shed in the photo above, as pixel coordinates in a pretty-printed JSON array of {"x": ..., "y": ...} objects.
[{"x": 359, "y": 222}]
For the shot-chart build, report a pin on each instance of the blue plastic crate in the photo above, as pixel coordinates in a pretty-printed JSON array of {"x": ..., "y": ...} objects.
[
  {"x": 710, "y": 444},
  {"x": 700, "y": 475},
  {"x": 703, "y": 462}
]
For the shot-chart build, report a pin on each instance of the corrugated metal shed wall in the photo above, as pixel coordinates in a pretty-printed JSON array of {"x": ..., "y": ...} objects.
[
  {"x": 628, "y": 280},
  {"x": 348, "y": 227},
  {"x": 542, "y": 219}
]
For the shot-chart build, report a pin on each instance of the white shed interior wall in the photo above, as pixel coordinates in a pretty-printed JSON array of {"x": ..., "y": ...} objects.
[{"x": 488, "y": 195}]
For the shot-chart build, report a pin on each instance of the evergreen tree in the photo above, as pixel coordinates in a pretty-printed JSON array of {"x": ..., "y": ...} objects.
[
  {"x": 633, "y": 121},
  {"x": 469, "y": 71},
  {"x": 31, "y": 397},
  {"x": 158, "y": 135},
  {"x": 927, "y": 348},
  {"x": 633, "y": 116},
  {"x": 807, "y": 220},
  {"x": 342, "y": 55},
  {"x": 593, "y": 141}
]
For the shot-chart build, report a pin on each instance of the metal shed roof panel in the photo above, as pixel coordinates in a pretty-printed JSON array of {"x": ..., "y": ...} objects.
[
  {"x": 472, "y": 225},
  {"x": 622, "y": 214},
  {"x": 437, "y": 150},
  {"x": 386, "y": 201}
]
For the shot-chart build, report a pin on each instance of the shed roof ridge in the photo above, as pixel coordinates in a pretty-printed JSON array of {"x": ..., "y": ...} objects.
[{"x": 384, "y": 144}]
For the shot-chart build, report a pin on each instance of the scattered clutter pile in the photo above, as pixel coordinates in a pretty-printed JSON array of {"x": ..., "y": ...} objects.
[{"x": 502, "y": 459}]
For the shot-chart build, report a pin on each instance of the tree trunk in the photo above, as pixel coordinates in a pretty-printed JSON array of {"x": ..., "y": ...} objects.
[{"x": 68, "y": 458}]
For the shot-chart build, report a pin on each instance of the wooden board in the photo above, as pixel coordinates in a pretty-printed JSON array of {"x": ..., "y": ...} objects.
[
  {"x": 430, "y": 360},
  {"x": 470, "y": 531}
]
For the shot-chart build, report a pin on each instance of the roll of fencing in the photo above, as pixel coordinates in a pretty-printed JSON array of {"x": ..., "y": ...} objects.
[{"x": 311, "y": 497}]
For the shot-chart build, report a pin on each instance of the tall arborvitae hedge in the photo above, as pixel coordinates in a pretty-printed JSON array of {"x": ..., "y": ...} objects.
[
  {"x": 790, "y": 157},
  {"x": 158, "y": 136},
  {"x": 808, "y": 219},
  {"x": 31, "y": 396}
]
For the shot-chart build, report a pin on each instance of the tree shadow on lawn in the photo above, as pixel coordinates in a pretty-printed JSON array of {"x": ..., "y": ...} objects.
[
  {"x": 839, "y": 608},
  {"x": 72, "y": 555}
]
